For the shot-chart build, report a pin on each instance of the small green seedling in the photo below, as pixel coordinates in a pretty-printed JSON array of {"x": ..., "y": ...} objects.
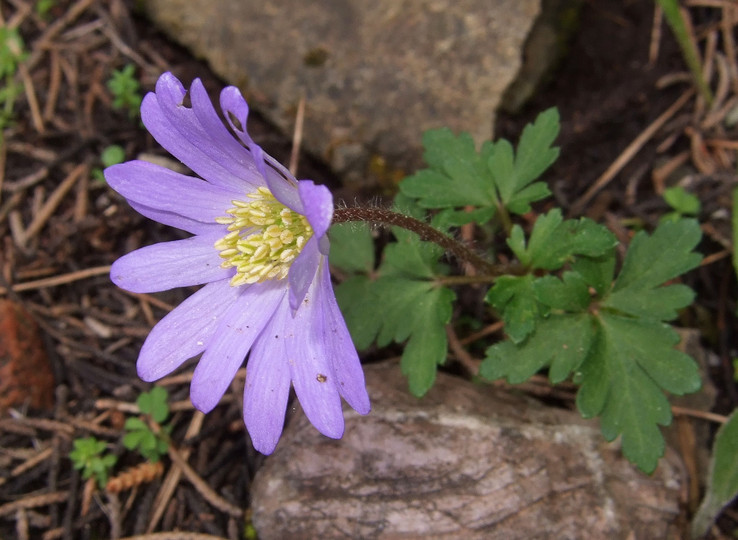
[
  {"x": 12, "y": 53},
  {"x": 126, "y": 90},
  {"x": 88, "y": 455},
  {"x": 43, "y": 7},
  {"x": 112, "y": 155},
  {"x": 139, "y": 435},
  {"x": 683, "y": 203}
]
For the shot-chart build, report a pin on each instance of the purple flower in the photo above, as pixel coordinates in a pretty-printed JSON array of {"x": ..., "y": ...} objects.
[{"x": 260, "y": 247}]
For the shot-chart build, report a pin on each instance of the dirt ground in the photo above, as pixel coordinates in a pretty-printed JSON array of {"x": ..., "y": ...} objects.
[{"x": 69, "y": 338}]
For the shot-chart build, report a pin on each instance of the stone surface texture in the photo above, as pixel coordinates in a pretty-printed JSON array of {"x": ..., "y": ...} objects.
[
  {"x": 466, "y": 461},
  {"x": 375, "y": 75}
]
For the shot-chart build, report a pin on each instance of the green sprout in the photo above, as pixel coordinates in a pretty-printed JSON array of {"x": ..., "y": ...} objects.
[
  {"x": 689, "y": 52},
  {"x": 112, "y": 155},
  {"x": 139, "y": 435},
  {"x": 43, "y": 7},
  {"x": 126, "y": 90},
  {"x": 88, "y": 456},
  {"x": 683, "y": 204},
  {"x": 12, "y": 53}
]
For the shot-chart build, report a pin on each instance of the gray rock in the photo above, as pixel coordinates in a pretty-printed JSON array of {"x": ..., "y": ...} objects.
[
  {"x": 375, "y": 75},
  {"x": 466, "y": 461}
]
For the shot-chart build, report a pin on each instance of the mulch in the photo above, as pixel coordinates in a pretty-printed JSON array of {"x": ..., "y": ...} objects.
[{"x": 632, "y": 126}]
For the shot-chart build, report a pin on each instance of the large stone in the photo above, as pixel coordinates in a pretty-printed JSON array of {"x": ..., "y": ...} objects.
[
  {"x": 375, "y": 75},
  {"x": 466, "y": 461}
]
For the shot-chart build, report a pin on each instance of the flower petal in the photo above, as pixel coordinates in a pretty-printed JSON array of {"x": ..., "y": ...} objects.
[
  {"x": 312, "y": 374},
  {"x": 186, "y": 331},
  {"x": 210, "y": 154},
  {"x": 302, "y": 272},
  {"x": 167, "y": 265},
  {"x": 165, "y": 190},
  {"x": 278, "y": 179},
  {"x": 239, "y": 327},
  {"x": 318, "y": 203},
  {"x": 340, "y": 349},
  {"x": 176, "y": 220},
  {"x": 266, "y": 392},
  {"x": 283, "y": 185}
]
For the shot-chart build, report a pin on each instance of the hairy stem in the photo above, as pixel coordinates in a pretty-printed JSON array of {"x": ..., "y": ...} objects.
[{"x": 424, "y": 231}]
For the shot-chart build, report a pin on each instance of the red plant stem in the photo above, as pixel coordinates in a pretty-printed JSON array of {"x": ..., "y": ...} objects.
[{"x": 424, "y": 231}]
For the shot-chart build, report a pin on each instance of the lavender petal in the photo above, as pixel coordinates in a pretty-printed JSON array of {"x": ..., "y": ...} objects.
[
  {"x": 318, "y": 203},
  {"x": 302, "y": 272},
  {"x": 167, "y": 191},
  {"x": 266, "y": 391},
  {"x": 167, "y": 265},
  {"x": 186, "y": 331},
  {"x": 340, "y": 349},
  {"x": 177, "y": 129},
  {"x": 278, "y": 179},
  {"x": 238, "y": 329},
  {"x": 312, "y": 375},
  {"x": 176, "y": 220}
]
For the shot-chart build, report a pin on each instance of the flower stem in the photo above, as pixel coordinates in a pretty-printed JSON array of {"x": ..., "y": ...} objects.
[{"x": 424, "y": 231}]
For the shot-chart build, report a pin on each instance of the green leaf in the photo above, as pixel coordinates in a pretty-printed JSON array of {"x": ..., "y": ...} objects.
[
  {"x": 622, "y": 379},
  {"x": 672, "y": 13},
  {"x": 722, "y": 484},
  {"x": 661, "y": 303},
  {"x": 360, "y": 306},
  {"x": 135, "y": 424},
  {"x": 624, "y": 355},
  {"x": 449, "y": 217},
  {"x": 559, "y": 341},
  {"x": 412, "y": 258},
  {"x": 458, "y": 174},
  {"x": 513, "y": 174},
  {"x": 516, "y": 242},
  {"x": 650, "y": 261},
  {"x": 682, "y": 201},
  {"x": 12, "y": 51},
  {"x": 352, "y": 247},
  {"x": 554, "y": 242},
  {"x": 132, "y": 439},
  {"x": 112, "y": 155},
  {"x": 666, "y": 254},
  {"x": 402, "y": 300},
  {"x": 597, "y": 272},
  {"x": 88, "y": 457},
  {"x": 568, "y": 294},
  {"x": 515, "y": 299},
  {"x": 154, "y": 403},
  {"x": 427, "y": 345},
  {"x": 125, "y": 89}
]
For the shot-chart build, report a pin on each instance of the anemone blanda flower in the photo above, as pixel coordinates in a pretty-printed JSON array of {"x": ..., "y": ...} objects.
[{"x": 260, "y": 248}]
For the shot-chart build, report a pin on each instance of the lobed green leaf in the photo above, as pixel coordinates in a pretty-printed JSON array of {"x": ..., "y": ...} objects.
[
  {"x": 631, "y": 362},
  {"x": 458, "y": 174},
  {"x": 664, "y": 255},
  {"x": 513, "y": 175},
  {"x": 554, "y": 242},
  {"x": 559, "y": 341}
]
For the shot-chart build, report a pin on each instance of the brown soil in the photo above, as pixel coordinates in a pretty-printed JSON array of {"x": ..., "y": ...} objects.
[{"x": 57, "y": 221}]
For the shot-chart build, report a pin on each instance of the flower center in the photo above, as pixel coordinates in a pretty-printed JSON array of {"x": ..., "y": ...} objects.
[{"x": 265, "y": 237}]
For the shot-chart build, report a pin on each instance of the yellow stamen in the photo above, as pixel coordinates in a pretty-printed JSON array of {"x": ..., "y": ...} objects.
[{"x": 264, "y": 238}]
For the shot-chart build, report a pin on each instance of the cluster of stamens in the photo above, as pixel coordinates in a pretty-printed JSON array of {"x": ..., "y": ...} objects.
[{"x": 265, "y": 237}]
